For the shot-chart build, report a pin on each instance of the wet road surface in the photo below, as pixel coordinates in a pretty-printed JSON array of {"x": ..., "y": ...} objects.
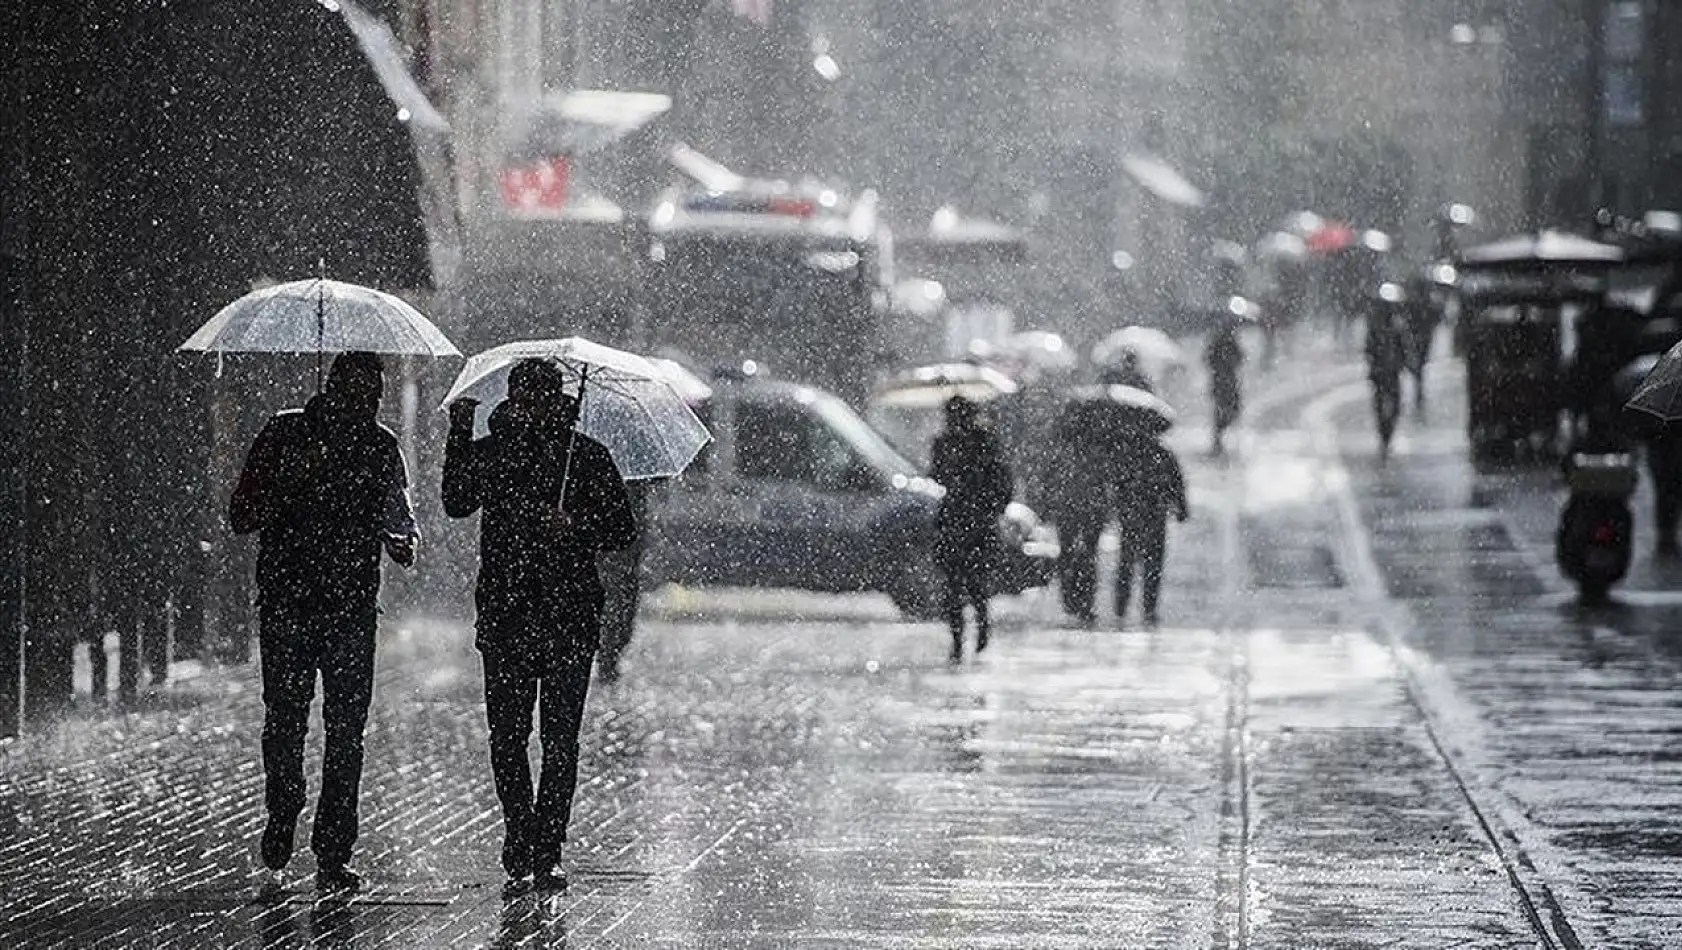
[{"x": 1370, "y": 718}]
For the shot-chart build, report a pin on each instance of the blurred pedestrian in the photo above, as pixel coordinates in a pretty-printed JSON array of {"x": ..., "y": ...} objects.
[
  {"x": 621, "y": 573},
  {"x": 1386, "y": 355},
  {"x": 1224, "y": 356},
  {"x": 1083, "y": 504},
  {"x": 966, "y": 460},
  {"x": 1664, "y": 464},
  {"x": 326, "y": 489},
  {"x": 551, "y": 500},
  {"x": 1420, "y": 326},
  {"x": 1150, "y": 488}
]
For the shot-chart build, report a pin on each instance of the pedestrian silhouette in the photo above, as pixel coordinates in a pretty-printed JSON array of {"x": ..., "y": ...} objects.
[
  {"x": 1386, "y": 354},
  {"x": 1083, "y": 505},
  {"x": 1223, "y": 355},
  {"x": 326, "y": 489},
  {"x": 966, "y": 460},
  {"x": 1150, "y": 488},
  {"x": 551, "y": 500}
]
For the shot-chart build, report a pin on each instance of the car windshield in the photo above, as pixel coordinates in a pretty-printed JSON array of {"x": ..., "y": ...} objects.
[{"x": 869, "y": 443}]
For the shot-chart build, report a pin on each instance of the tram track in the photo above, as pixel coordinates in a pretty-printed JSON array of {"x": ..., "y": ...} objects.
[{"x": 1430, "y": 696}]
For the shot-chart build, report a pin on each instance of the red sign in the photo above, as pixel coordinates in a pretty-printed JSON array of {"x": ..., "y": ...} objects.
[{"x": 539, "y": 184}]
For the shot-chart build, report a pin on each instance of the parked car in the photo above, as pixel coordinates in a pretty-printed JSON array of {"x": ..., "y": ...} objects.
[{"x": 798, "y": 491}]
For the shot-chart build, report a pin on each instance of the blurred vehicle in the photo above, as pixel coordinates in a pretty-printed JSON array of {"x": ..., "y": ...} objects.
[
  {"x": 1519, "y": 297},
  {"x": 908, "y": 408},
  {"x": 1595, "y": 537},
  {"x": 796, "y": 274},
  {"x": 799, "y": 491}
]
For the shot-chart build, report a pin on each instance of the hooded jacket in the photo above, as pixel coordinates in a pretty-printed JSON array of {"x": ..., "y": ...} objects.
[
  {"x": 322, "y": 486},
  {"x": 528, "y": 565}
]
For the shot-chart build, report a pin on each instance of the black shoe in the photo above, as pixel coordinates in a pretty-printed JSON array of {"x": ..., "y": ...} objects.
[
  {"x": 981, "y": 643},
  {"x": 549, "y": 880},
  {"x": 517, "y": 886},
  {"x": 338, "y": 879},
  {"x": 277, "y": 843},
  {"x": 957, "y": 654},
  {"x": 517, "y": 856},
  {"x": 1150, "y": 617}
]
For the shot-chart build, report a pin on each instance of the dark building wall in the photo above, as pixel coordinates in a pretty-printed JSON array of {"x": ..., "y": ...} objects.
[{"x": 167, "y": 157}]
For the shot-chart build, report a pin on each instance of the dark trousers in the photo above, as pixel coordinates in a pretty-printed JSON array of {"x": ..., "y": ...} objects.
[
  {"x": 1144, "y": 544},
  {"x": 1077, "y": 565},
  {"x": 1664, "y": 464},
  {"x": 967, "y": 584},
  {"x": 295, "y": 646},
  {"x": 547, "y": 667}
]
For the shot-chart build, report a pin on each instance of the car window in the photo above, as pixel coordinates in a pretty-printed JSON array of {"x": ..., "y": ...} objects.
[
  {"x": 773, "y": 442},
  {"x": 794, "y": 444}
]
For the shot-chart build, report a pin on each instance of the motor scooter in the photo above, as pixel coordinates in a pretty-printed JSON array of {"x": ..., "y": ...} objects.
[{"x": 1594, "y": 543}]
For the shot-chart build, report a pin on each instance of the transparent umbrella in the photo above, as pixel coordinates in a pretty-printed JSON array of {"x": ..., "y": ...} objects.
[{"x": 626, "y": 402}]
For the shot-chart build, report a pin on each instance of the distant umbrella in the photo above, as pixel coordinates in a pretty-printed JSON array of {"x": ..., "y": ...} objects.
[
  {"x": 1147, "y": 343},
  {"x": 1544, "y": 250},
  {"x": 1162, "y": 180}
]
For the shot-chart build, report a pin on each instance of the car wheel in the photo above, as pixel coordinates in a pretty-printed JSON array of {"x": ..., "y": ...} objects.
[{"x": 915, "y": 588}]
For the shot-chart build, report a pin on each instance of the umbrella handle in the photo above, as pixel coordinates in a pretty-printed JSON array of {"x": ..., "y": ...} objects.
[{"x": 572, "y": 437}]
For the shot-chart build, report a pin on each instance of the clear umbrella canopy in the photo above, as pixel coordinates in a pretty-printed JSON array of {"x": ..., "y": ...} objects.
[{"x": 627, "y": 402}]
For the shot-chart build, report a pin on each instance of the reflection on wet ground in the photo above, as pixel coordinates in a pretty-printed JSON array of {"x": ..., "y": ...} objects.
[{"x": 776, "y": 769}]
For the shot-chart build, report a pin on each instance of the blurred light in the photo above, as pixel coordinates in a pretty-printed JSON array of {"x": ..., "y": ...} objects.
[
  {"x": 828, "y": 198},
  {"x": 1376, "y": 241},
  {"x": 1463, "y": 34},
  {"x": 1668, "y": 222},
  {"x": 933, "y": 290},
  {"x": 945, "y": 219},
  {"x": 403, "y": 115},
  {"x": 1444, "y": 274},
  {"x": 665, "y": 214},
  {"x": 1461, "y": 214},
  {"x": 331, "y": 5},
  {"x": 1390, "y": 292},
  {"x": 1122, "y": 260},
  {"x": 826, "y": 66},
  {"x": 750, "y": 368}
]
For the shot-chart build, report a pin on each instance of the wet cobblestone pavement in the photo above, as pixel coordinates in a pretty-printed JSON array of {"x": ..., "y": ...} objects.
[{"x": 1359, "y": 726}]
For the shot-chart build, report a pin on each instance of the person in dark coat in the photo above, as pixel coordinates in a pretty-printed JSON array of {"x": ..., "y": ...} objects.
[
  {"x": 1223, "y": 355},
  {"x": 966, "y": 460},
  {"x": 1083, "y": 505},
  {"x": 1664, "y": 466},
  {"x": 326, "y": 489},
  {"x": 551, "y": 501},
  {"x": 1150, "y": 488},
  {"x": 621, "y": 573}
]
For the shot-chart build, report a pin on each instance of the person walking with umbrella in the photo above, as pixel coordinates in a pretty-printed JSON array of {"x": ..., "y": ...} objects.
[
  {"x": 1083, "y": 505},
  {"x": 966, "y": 460},
  {"x": 551, "y": 500},
  {"x": 326, "y": 489},
  {"x": 1224, "y": 355},
  {"x": 1150, "y": 487}
]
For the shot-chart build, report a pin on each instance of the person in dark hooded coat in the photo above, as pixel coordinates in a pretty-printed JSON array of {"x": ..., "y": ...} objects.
[
  {"x": 1223, "y": 354},
  {"x": 550, "y": 500},
  {"x": 1150, "y": 488},
  {"x": 967, "y": 461},
  {"x": 326, "y": 489}
]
